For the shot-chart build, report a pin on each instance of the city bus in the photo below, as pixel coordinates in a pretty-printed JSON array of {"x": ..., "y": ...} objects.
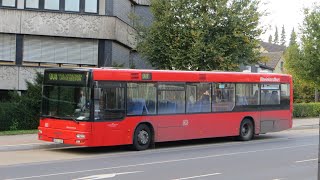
[{"x": 109, "y": 107}]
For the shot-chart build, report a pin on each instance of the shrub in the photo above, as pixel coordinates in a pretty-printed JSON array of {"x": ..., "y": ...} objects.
[
  {"x": 22, "y": 112},
  {"x": 6, "y": 115},
  {"x": 306, "y": 110}
]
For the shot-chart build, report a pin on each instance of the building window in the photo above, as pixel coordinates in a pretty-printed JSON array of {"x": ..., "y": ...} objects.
[
  {"x": 34, "y": 4},
  {"x": 80, "y": 6},
  {"x": 52, "y": 4},
  {"x": 91, "y": 6},
  {"x": 7, "y": 47},
  {"x": 58, "y": 50},
  {"x": 72, "y": 5},
  {"x": 8, "y": 3}
]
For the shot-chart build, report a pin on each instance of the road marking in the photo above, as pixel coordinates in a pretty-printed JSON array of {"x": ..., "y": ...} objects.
[
  {"x": 193, "y": 177},
  {"x": 105, "y": 176},
  {"x": 307, "y": 160},
  {"x": 170, "y": 149},
  {"x": 163, "y": 162}
]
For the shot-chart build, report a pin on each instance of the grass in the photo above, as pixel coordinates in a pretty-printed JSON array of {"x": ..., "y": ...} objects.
[{"x": 16, "y": 132}]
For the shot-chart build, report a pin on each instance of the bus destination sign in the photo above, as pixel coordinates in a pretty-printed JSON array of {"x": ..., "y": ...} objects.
[{"x": 66, "y": 77}]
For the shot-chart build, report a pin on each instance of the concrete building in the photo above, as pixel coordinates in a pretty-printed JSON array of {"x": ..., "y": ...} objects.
[{"x": 35, "y": 34}]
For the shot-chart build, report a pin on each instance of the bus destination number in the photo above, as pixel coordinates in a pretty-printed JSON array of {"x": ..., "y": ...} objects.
[{"x": 146, "y": 76}]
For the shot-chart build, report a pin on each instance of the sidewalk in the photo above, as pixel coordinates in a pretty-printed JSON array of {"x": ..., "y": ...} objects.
[
  {"x": 305, "y": 123},
  {"x": 19, "y": 140},
  {"x": 32, "y": 139}
]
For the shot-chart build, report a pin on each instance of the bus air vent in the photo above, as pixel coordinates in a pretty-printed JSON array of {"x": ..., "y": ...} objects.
[
  {"x": 202, "y": 77},
  {"x": 134, "y": 75}
]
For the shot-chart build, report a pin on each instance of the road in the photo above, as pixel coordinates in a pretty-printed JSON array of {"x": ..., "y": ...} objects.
[{"x": 285, "y": 155}]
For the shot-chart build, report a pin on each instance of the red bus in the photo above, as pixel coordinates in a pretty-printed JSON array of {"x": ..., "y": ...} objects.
[{"x": 108, "y": 107}]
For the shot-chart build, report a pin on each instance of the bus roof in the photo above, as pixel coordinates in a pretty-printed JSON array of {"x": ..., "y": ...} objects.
[
  {"x": 185, "y": 76},
  {"x": 112, "y": 74}
]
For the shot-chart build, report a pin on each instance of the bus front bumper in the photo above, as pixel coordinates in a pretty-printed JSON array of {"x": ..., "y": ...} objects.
[{"x": 64, "y": 136}]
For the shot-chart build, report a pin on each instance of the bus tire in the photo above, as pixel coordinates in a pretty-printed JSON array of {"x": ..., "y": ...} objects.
[
  {"x": 142, "y": 137},
  {"x": 246, "y": 130}
]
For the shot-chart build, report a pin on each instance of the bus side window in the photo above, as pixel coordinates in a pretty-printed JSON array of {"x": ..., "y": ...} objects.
[
  {"x": 285, "y": 95},
  {"x": 109, "y": 101},
  {"x": 225, "y": 97},
  {"x": 270, "y": 94},
  {"x": 141, "y": 98}
]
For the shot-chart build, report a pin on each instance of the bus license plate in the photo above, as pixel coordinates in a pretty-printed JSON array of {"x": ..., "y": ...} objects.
[{"x": 58, "y": 141}]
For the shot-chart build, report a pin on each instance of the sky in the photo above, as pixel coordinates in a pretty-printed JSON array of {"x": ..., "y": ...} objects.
[{"x": 283, "y": 12}]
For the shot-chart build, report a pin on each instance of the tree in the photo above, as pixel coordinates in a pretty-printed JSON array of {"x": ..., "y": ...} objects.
[
  {"x": 276, "y": 37},
  {"x": 304, "y": 62},
  {"x": 201, "y": 34},
  {"x": 283, "y": 36},
  {"x": 303, "y": 92},
  {"x": 311, "y": 45},
  {"x": 270, "y": 39},
  {"x": 293, "y": 57},
  {"x": 293, "y": 37}
]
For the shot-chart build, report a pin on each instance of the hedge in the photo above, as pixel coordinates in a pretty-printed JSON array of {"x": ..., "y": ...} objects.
[
  {"x": 306, "y": 110},
  {"x": 17, "y": 116}
]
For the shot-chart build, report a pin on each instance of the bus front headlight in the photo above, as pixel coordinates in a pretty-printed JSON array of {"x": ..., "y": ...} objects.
[{"x": 81, "y": 136}]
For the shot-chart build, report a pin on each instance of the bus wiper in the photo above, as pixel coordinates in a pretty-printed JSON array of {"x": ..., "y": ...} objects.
[
  {"x": 53, "y": 117},
  {"x": 71, "y": 118},
  {"x": 75, "y": 120}
]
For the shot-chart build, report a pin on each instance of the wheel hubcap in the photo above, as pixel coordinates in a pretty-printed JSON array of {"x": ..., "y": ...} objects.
[
  {"x": 245, "y": 130},
  {"x": 143, "y": 137}
]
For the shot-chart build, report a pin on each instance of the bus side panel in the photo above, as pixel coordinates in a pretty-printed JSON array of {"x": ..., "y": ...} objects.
[
  {"x": 217, "y": 125},
  {"x": 109, "y": 133},
  {"x": 272, "y": 121},
  {"x": 195, "y": 126}
]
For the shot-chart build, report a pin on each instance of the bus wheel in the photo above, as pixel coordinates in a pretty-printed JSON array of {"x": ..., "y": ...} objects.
[
  {"x": 246, "y": 130},
  {"x": 142, "y": 137}
]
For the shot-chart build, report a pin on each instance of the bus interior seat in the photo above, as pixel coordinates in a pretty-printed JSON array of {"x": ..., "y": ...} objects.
[
  {"x": 242, "y": 100},
  {"x": 167, "y": 107},
  {"x": 137, "y": 107}
]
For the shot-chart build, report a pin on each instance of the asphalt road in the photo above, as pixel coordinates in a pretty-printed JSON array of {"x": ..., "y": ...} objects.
[{"x": 276, "y": 156}]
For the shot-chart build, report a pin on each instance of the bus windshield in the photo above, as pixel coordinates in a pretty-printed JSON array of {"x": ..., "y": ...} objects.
[{"x": 66, "y": 102}]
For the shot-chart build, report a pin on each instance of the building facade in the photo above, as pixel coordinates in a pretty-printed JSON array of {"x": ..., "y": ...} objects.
[
  {"x": 272, "y": 59},
  {"x": 36, "y": 34}
]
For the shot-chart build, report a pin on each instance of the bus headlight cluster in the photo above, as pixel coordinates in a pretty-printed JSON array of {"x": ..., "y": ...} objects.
[
  {"x": 40, "y": 131},
  {"x": 81, "y": 136}
]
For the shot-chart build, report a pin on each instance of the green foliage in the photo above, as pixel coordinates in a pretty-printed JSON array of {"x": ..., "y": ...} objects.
[
  {"x": 270, "y": 39},
  {"x": 22, "y": 112},
  {"x": 283, "y": 36},
  {"x": 201, "y": 34},
  {"x": 276, "y": 37},
  {"x": 310, "y": 46},
  {"x": 306, "y": 110},
  {"x": 293, "y": 38},
  {"x": 303, "y": 90}
]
